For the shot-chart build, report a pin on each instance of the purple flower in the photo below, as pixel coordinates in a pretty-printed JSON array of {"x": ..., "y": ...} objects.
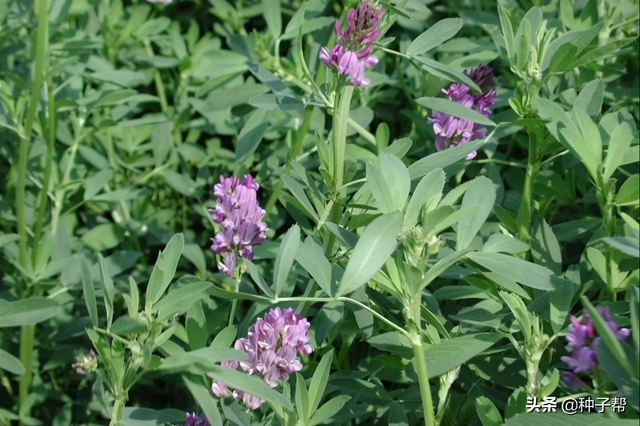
[
  {"x": 240, "y": 215},
  {"x": 194, "y": 420},
  {"x": 352, "y": 53},
  {"x": 583, "y": 340},
  {"x": 571, "y": 380},
  {"x": 581, "y": 359},
  {"x": 453, "y": 131},
  {"x": 272, "y": 346}
]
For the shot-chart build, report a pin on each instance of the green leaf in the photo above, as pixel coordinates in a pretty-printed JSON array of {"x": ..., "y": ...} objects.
[
  {"x": 276, "y": 102},
  {"x": 627, "y": 245},
  {"x": 311, "y": 257},
  {"x": 251, "y": 384},
  {"x": 164, "y": 269},
  {"x": 271, "y": 10},
  {"x": 196, "y": 325},
  {"x": 449, "y": 354},
  {"x": 126, "y": 325},
  {"x": 397, "y": 416},
  {"x": 439, "y": 268},
  {"x": 572, "y": 42},
  {"x": 284, "y": 259},
  {"x": 437, "y": 34},
  {"x": 302, "y": 399},
  {"x": 519, "y": 311},
  {"x": 390, "y": 183},
  {"x": 627, "y": 384},
  {"x": 443, "y": 158},
  {"x": 481, "y": 193},
  {"x": 8, "y": 238},
  {"x": 10, "y": 363},
  {"x": 487, "y": 412},
  {"x": 507, "y": 30},
  {"x": 28, "y": 311},
  {"x": 108, "y": 290},
  {"x": 137, "y": 416},
  {"x": 298, "y": 192},
  {"x": 202, "y": 394},
  {"x": 619, "y": 145},
  {"x": 501, "y": 243},
  {"x": 89, "y": 293},
  {"x": 518, "y": 270},
  {"x": 373, "y": 248},
  {"x": 251, "y": 134},
  {"x": 545, "y": 248},
  {"x": 427, "y": 194},
  {"x": 454, "y": 109},
  {"x": 236, "y": 295},
  {"x": 608, "y": 338},
  {"x": 319, "y": 381},
  {"x": 180, "y": 182},
  {"x": 95, "y": 183},
  {"x": 446, "y": 72},
  {"x": 560, "y": 305},
  {"x": 122, "y": 195},
  {"x": 328, "y": 410},
  {"x": 200, "y": 360},
  {"x": 629, "y": 192},
  {"x": 590, "y": 98},
  {"x": 180, "y": 300},
  {"x": 103, "y": 237}
]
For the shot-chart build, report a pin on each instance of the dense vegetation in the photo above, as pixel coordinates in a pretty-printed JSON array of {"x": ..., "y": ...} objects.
[{"x": 425, "y": 213}]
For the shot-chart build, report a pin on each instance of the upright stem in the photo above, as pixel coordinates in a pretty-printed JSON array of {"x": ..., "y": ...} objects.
[
  {"x": 420, "y": 365},
  {"x": 42, "y": 199},
  {"x": 27, "y": 332},
  {"x": 234, "y": 302},
  {"x": 340, "y": 117},
  {"x": 158, "y": 80},
  {"x": 42, "y": 36},
  {"x": 27, "y": 340},
  {"x": 118, "y": 407},
  {"x": 533, "y": 165}
]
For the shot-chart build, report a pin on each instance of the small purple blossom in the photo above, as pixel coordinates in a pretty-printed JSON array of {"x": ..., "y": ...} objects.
[
  {"x": 352, "y": 53},
  {"x": 194, "y": 420},
  {"x": 453, "y": 131},
  {"x": 240, "y": 215},
  {"x": 272, "y": 344},
  {"x": 583, "y": 340}
]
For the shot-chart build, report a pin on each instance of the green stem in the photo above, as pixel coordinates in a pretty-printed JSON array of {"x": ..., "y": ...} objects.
[
  {"x": 295, "y": 149},
  {"x": 533, "y": 165},
  {"x": 118, "y": 407},
  {"x": 158, "y": 80},
  {"x": 420, "y": 365},
  {"x": 42, "y": 199},
  {"x": 340, "y": 117},
  {"x": 27, "y": 340},
  {"x": 234, "y": 302},
  {"x": 42, "y": 36}
]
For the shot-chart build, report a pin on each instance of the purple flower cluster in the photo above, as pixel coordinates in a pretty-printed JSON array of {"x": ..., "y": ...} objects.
[
  {"x": 240, "y": 215},
  {"x": 583, "y": 340},
  {"x": 272, "y": 345},
  {"x": 453, "y": 131},
  {"x": 194, "y": 420},
  {"x": 352, "y": 53}
]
